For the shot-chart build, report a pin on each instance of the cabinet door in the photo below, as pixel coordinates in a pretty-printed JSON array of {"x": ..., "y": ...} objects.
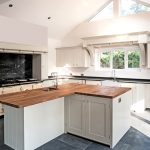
[
  {"x": 74, "y": 121},
  {"x": 147, "y": 96},
  {"x": 98, "y": 119},
  {"x": 72, "y": 57}
]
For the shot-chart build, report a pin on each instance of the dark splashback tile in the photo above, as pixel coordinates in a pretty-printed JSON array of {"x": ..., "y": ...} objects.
[{"x": 15, "y": 66}]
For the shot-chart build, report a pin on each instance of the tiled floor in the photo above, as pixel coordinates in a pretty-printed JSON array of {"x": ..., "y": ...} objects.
[
  {"x": 143, "y": 115},
  {"x": 133, "y": 140}
]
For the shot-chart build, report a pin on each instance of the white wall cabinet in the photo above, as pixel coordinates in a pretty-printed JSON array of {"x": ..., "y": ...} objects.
[
  {"x": 97, "y": 118},
  {"x": 72, "y": 57}
]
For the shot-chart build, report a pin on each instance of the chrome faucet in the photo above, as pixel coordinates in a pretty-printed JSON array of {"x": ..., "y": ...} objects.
[
  {"x": 114, "y": 74},
  {"x": 55, "y": 76}
]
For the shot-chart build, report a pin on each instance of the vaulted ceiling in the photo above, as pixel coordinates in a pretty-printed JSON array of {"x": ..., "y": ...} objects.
[{"x": 65, "y": 14}]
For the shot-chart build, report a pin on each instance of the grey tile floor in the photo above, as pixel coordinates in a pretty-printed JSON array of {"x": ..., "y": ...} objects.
[{"x": 133, "y": 140}]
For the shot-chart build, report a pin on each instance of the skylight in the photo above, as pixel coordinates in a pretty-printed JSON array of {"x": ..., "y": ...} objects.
[
  {"x": 129, "y": 7},
  {"x": 126, "y": 7},
  {"x": 105, "y": 13}
]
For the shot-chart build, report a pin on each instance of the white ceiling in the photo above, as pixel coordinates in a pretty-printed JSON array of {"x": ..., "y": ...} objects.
[{"x": 66, "y": 14}]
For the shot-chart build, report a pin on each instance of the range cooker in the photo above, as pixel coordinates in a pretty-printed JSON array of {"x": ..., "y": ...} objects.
[{"x": 13, "y": 81}]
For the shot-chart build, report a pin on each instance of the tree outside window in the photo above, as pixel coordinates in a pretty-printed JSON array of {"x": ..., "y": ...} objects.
[
  {"x": 118, "y": 59},
  {"x": 129, "y": 7},
  {"x": 105, "y": 60},
  {"x": 122, "y": 58},
  {"x": 133, "y": 59}
]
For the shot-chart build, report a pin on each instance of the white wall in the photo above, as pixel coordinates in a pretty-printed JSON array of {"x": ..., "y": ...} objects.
[
  {"x": 137, "y": 73},
  {"x": 120, "y": 25},
  {"x": 19, "y": 32},
  {"x": 52, "y": 45}
]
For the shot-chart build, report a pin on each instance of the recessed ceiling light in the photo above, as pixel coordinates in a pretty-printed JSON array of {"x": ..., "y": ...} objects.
[
  {"x": 10, "y": 5},
  {"x": 49, "y": 18}
]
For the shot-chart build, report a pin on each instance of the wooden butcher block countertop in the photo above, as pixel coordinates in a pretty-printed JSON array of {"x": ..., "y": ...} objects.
[{"x": 32, "y": 97}]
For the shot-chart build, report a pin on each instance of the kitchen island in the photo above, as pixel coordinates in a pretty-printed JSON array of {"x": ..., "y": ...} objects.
[{"x": 32, "y": 118}]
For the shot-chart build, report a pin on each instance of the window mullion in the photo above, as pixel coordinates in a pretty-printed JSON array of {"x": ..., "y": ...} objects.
[{"x": 126, "y": 59}]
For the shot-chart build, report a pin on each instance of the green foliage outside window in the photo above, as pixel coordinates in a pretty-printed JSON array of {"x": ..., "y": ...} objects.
[
  {"x": 134, "y": 59},
  {"x": 131, "y": 7},
  {"x": 105, "y": 60},
  {"x": 118, "y": 60}
]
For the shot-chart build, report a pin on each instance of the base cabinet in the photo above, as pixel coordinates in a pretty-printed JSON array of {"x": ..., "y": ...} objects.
[
  {"x": 100, "y": 119},
  {"x": 89, "y": 117},
  {"x": 75, "y": 114}
]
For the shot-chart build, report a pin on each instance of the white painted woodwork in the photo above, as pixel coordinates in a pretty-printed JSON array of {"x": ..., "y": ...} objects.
[
  {"x": 121, "y": 120},
  {"x": 138, "y": 93},
  {"x": 10, "y": 89},
  {"x": 111, "y": 83},
  {"x": 98, "y": 119},
  {"x": 26, "y": 87},
  {"x": 94, "y": 82},
  {"x": 72, "y": 81},
  {"x": 75, "y": 114},
  {"x": 30, "y": 127},
  {"x": 136, "y": 37},
  {"x": 37, "y": 85},
  {"x": 21, "y": 48},
  {"x": 143, "y": 54},
  {"x": 14, "y": 127},
  {"x": 147, "y": 96},
  {"x": 72, "y": 57},
  {"x": 148, "y": 55}
]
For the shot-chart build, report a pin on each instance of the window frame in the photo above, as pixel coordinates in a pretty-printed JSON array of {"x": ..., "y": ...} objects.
[{"x": 125, "y": 49}]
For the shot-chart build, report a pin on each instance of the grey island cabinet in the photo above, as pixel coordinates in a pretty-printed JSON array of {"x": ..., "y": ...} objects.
[{"x": 104, "y": 120}]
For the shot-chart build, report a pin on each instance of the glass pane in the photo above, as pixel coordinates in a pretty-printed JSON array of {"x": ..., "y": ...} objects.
[
  {"x": 131, "y": 7},
  {"x": 105, "y": 60},
  {"x": 118, "y": 60},
  {"x": 106, "y": 13},
  {"x": 134, "y": 59}
]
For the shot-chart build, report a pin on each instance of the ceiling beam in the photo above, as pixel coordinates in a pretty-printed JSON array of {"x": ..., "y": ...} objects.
[{"x": 101, "y": 8}]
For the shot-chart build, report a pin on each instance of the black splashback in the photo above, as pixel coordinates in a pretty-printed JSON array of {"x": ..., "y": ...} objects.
[{"x": 15, "y": 66}]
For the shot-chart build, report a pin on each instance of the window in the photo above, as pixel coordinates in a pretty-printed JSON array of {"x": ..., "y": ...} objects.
[
  {"x": 133, "y": 59},
  {"x": 105, "y": 59},
  {"x": 124, "y": 8},
  {"x": 105, "y": 13},
  {"x": 118, "y": 58},
  {"x": 129, "y": 7}
]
